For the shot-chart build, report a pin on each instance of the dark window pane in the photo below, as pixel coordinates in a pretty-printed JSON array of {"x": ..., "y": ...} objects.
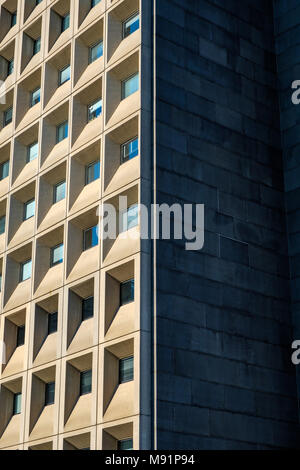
[
  {"x": 94, "y": 3},
  {"x": 4, "y": 170},
  {"x": 35, "y": 97},
  {"x": 20, "y": 335},
  {"x": 2, "y": 224},
  {"x": 92, "y": 172},
  {"x": 59, "y": 192},
  {"x": 17, "y": 403},
  {"x": 127, "y": 292},
  {"x": 49, "y": 393},
  {"x": 36, "y": 45},
  {"x": 62, "y": 131},
  {"x": 87, "y": 308},
  {"x": 52, "y": 323},
  {"x": 7, "y": 119},
  {"x": 126, "y": 370},
  {"x": 91, "y": 238},
  {"x": 129, "y": 150},
  {"x": 131, "y": 25},
  {"x": 10, "y": 67},
  {"x": 96, "y": 51},
  {"x": 13, "y": 19},
  {"x": 126, "y": 444},
  {"x": 65, "y": 22},
  {"x": 85, "y": 382}
]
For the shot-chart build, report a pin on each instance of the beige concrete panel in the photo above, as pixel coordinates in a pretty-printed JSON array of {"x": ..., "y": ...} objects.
[
  {"x": 51, "y": 151},
  {"x": 78, "y": 441},
  {"x": 80, "y": 416},
  {"x": 85, "y": 14},
  {"x": 72, "y": 390},
  {"x": 37, "y": 400},
  {"x": 5, "y": 20},
  {"x": 56, "y": 37},
  {"x": 31, "y": 10},
  {"x": 44, "y": 424},
  {"x": 121, "y": 404},
  {"x": 11, "y": 434},
  {"x": 117, "y": 47},
  {"x": 29, "y": 61},
  {"x": 54, "y": 92},
  {"x": 25, "y": 113},
  {"x": 16, "y": 293},
  {"x": 21, "y": 169},
  {"x": 7, "y": 54}
]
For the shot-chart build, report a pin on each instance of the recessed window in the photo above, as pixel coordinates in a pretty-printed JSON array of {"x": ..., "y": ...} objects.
[
  {"x": 17, "y": 404},
  {"x": 131, "y": 25},
  {"x": 85, "y": 382},
  {"x": 20, "y": 336},
  {"x": 92, "y": 172},
  {"x": 127, "y": 292},
  {"x": 13, "y": 20},
  {"x": 37, "y": 2},
  {"x": 94, "y": 3},
  {"x": 2, "y": 224},
  {"x": 126, "y": 370},
  {"x": 32, "y": 152},
  {"x": 96, "y": 51},
  {"x": 10, "y": 67},
  {"x": 95, "y": 110},
  {"x": 7, "y": 117},
  {"x": 35, "y": 97},
  {"x": 52, "y": 323},
  {"x": 130, "y": 86},
  {"x": 130, "y": 218},
  {"x": 65, "y": 22},
  {"x": 62, "y": 131},
  {"x": 57, "y": 255},
  {"x": 87, "y": 308},
  {"x": 36, "y": 46},
  {"x": 0, "y": 282},
  {"x": 125, "y": 444},
  {"x": 29, "y": 209},
  {"x": 90, "y": 238},
  {"x": 49, "y": 393},
  {"x": 129, "y": 150},
  {"x": 25, "y": 271},
  {"x": 64, "y": 75},
  {"x": 4, "y": 170},
  {"x": 59, "y": 192}
]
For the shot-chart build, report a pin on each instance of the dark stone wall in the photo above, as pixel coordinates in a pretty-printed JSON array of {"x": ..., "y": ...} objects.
[
  {"x": 287, "y": 35},
  {"x": 225, "y": 379}
]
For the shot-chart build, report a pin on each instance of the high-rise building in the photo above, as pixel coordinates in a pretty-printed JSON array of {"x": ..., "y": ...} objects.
[{"x": 128, "y": 342}]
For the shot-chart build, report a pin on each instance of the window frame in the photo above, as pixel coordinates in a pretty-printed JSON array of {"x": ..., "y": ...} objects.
[
  {"x": 31, "y": 104},
  {"x": 60, "y": 82},
  {"x": 51, "y": 315},
  {"x": 136, "y": 13},
  {"x": 6, "y": 123},
  {"x": 1, "y": 218},
  {"x": 63, "y": 18},
  {"x": 84, "y": 238},
  {"x": 7, "y": 162},
  {"x": 126, "y": 143},
  {"x": 25, "y": 208},
  {"x": 55, "y": 200},
  {"x": 28, "y": 152},
  {"x": 35, "y": 42},
  {"x": 90, "y": 51},
  {"x": 52, "y": 250},
  {"x": 82, "y": 304},
  {"x": 80, "y": 387},
  {"x": 123, "y": 97},
  {"x": 92, "y": 164},
  {"x": 122, "y": 359},
  {"x": 57, "y": 131},
  {"x": 15, "y": 403},
  {"x": 47, "y": 386},
  {"x": 22, "y": 270},
  {"x": 122, "y": 284},
  {"x": 91, "y": 104}
]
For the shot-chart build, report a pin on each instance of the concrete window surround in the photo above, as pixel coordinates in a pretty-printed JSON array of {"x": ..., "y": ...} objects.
[
  {"x": 7, "y": 26},
  {"x": 76, "y": 341}
]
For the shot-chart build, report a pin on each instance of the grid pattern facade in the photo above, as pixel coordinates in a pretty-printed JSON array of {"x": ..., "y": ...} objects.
[{"x": 70, "y": 319}]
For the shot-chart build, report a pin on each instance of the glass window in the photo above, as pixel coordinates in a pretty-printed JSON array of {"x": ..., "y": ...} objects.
[
  {"x": 94, "y": 3},
  {"x": 36, "y": 46},
  {"x": 29, "y": 209},
  {"x": 20, "y": 336},
  {"x": 95, "y": 110},
  {"x": 126, "y": 370},
  {"x": 96, "y": 51},
  {"x": 13, "y": 21},
  {"x": 126, "y": 444},
  {"x": 59, "y": 192},
  {"x": 7, "y": 118},
  {"x": 2, "y": 224},
  {"x": 10, "y": 67},
  {"x": 65, "y": 22},
  {"x": 64, "y": 75},
  {"x": 49, "y": 393},
  {"x": 130, "y": 86},
  {"x": 130, "y": 218},
  {"x": 37, "y": 2},
  {"x": 127, "y": 292},
  {"x": 52, "y": 323},
  {"x": 129, "y": 150},
  {"x": 4, "y": 170},
  {"x": 87, "y": 308},
  {"x": 85, "y": 382},
  {"x": 35, "y": 97},
  {"x": 92, "y": 172},
  {"x": 17, "y": 403},
  {"x": 57, "y": 255},
  {"x": 26, "y": 270},
  {"x": 32, "y": 152},
  {"x": 91, "y": 238},
  {"x": 62, "y": 131},
  {"x": 131, "y": 25}
]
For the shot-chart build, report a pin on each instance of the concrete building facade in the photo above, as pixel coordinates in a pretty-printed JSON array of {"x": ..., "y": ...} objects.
[{"x": 137, "y": 343}]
